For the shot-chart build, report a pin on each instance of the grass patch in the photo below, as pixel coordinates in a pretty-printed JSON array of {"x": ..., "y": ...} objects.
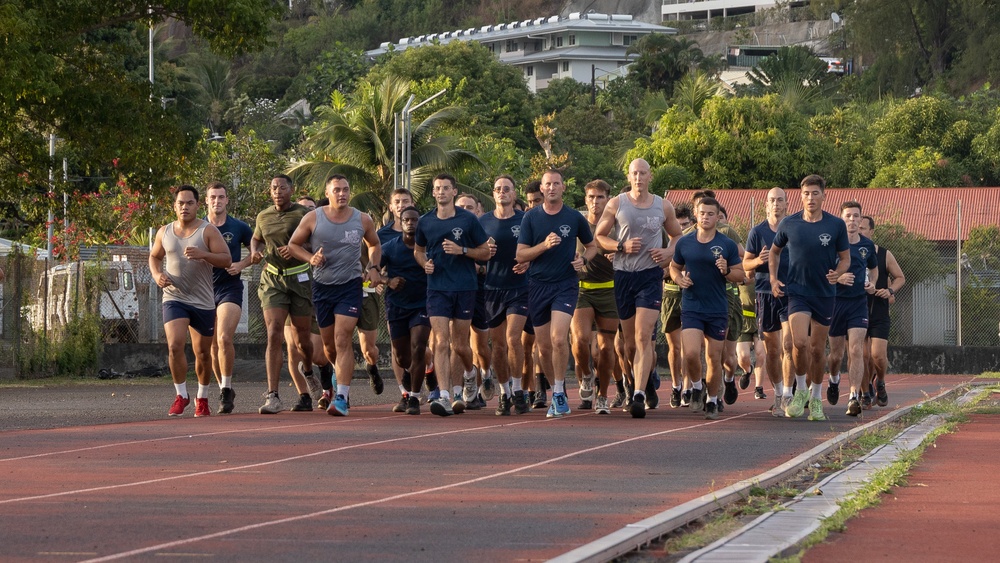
[{"x": 69, "y": 381}]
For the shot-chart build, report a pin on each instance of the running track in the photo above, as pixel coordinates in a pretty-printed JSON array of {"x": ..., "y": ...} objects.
[{"x": 382, "y": 486}]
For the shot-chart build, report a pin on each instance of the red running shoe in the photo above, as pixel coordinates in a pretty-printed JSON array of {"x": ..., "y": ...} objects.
[
  {"x": 180, "y": 403},
  {"x": 201, "y": 407}
]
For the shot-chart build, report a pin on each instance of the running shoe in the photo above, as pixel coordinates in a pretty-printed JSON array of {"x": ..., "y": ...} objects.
[
  {"x": 540, "y": 399},
  {"x": 881, "y": 397},
  {"x": 798, "y": 404},
  {"x": 489, "y": 387},
  {"x": 561, "y": 404},
  {"x": 853, "y": 407},
  {"x": 521, "y": 405},
  {"x": 675, "y": 398},
  {"x": 339, "y": 407},
  {"x": 686, "y": 398},
  {"x": 470, "y": 388},
  {"x": 504, "y": 405},
  {"x": 201, "y": 408},
  {"x": 375, "y": 380},
  {"x": 441, "y": 407},
  {"x": 180, "y": 403},
  {"x": 404, "y": 401},
  {"x": 778, "y": 408},
  {"x": 638, "y": 407},
  {"x": 413, "y": 405},
  {"x": 833, "y": 393},
  {"x": 618, "y": 401},
  {"x": 312, "y": 382},
  {"x": 601, "y": 405},
  {"x": 476, "y": 404},
  {"x": 272, "y": 403},
  {"x": 458, "y": 406},
  {"x": 758, "y": 393},
  {"x": 745, "y": 378},
  {"x": 652, "y": 399},
  {"x": 586, "y": 405},
  {"x": 227, "y": 400},
  {"x": 866, "y": 400},
  {"x": 433, "y": 395},
  {"x": 697, "y": 400},
  {"x": 305, "y": 403},
  {"x": 711, "y": 411},
  {"x": 324, "y": 401},
  {"x": 719, "y": 404},
  {"x": 816, "y": 409},
  {"x": 731, "y": 393},
  {"x": 587, "y": 388}
]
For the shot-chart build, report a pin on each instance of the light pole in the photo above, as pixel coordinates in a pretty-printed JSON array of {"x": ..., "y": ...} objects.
[{"x": 403, "y": 145}]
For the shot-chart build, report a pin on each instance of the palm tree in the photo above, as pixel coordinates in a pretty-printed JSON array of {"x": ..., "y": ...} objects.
[
  {"x": 694, "y": 90},
  {"x": 355, "y": 137}
]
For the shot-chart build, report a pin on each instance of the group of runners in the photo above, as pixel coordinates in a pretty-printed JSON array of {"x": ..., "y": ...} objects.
[{"x": 491, "y": 304}]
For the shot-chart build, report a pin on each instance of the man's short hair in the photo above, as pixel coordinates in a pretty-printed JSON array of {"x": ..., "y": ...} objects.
[
  {"x": 468, "y": 195},
  {"x": 551, "y": 171},
  {"x": 505, "y": 177},
  {"x": 401, "y": 191},
  {"x": 216, "y": 185},
  {"x": 813, "y": 180},
  {"x": 322, "y": 202},
  {"x": 722, "y": 211},
  {"x": 449, "y": 177},
  {"x": 849, "y": 204},
  {"x": 533, "y": 187},
  {"x": 870, "y": 221},
  {"x": 284, "y": 177},
  {"x": 701, "y": 194},
  {"x": 187, "y": 188},
  {"x": 711, "y": 201},
  {"x": 308, "y": 197},
  {"x": 333, "y": 177},
  {"x": 598, "y": 185},
  {"x": 409, "y": 208},
  {"x": 683, "y": 211}
]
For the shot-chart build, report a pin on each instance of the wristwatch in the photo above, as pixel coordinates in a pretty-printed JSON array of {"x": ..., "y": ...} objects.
[
  {"x": 621, "y": 246},
  {"x": 465, "y": 250}
]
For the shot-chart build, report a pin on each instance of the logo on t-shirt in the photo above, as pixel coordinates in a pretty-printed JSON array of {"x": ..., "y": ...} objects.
[
  {"x": 564, "y": 230},
  {"x": 228, "y": 237},
  {"x": 716, "y": 251},
  {"x": 516, "y": 231},
  {"x": 863, "y": 251},
  {"x": 457, "y": 233},
  {"x": 824, "y": 239},
  {"x": 352, "y": 237}
]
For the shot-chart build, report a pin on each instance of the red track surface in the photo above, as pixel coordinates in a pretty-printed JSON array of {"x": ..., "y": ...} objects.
[
  {"x": 947, "y": 512},
  {"x": 378, "y": 485}
]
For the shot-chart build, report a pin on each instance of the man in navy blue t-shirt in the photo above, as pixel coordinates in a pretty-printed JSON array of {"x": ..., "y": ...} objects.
[
  {"x": 850, "y": 314},
  {"x": 228, "y": 289},
  {"x": 772, "y": 312},
  {"x": 704, "y": 260},
  {"x": 548, "y": 241},
  {"x": 818, "y": 254},
  {"x": 506, "y": 296},
  {"x": 449, "y": 241}
]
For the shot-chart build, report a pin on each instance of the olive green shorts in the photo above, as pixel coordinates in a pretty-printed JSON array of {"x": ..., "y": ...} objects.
[
  {"x": 735, "y": 315},
  {"x": 369, "y": 312},
  {"x": 285, "y": 292},
  {"x": 602, "y": 301},
  {"x": 749, "y": 326},
  {"x": 670, "y": 311}
]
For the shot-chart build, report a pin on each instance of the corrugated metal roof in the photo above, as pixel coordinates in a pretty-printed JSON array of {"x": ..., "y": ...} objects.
[{"x": 931, "y": 212}]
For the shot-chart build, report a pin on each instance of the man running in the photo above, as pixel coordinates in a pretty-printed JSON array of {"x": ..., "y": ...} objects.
[
  {"x": 334, "y": 234},
  {"x": 191, "y": 246},
  {"x": 818, "y": 254},
  {"x": 890, "y": 280},
  {"x": 547, "y": 241},
  {"x": 703, "y": 261},
  {"x": 640, "y": 218},
  {"x": 449, "y": 241},
  {"x": 228, "y": 289},
  {"x": 670, "y": 320}
]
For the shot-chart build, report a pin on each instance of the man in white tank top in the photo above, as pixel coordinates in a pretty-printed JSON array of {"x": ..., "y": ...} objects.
[
  {"x": 191, "y": 246},
  {"x": 640, "y": 261}
]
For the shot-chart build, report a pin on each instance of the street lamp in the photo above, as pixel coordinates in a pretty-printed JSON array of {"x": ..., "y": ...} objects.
[{"x": 403, "y": 146}]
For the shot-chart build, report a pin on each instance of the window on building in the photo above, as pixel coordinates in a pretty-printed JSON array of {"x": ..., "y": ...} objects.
[
  {"x": 530, "y": 70},
  {"x": 572, "y": 40},
  {"x": 559, "y": 41},
  {"x": 565, "y": 66},
  {"x": 630, "y": 39}
]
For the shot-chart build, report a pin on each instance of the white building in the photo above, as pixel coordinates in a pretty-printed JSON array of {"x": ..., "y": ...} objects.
[
  {"x": 581, "y": 46},
  {"x": 708, "y": 9}
]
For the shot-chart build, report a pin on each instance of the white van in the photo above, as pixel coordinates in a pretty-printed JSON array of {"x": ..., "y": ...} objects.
[{"x": 108, "y": 289}]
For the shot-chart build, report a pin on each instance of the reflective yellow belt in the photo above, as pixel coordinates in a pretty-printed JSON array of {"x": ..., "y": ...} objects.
[
  {"x": 596, "y": 285},
  {"x": 301, "y": 268},
  {"x": 750, "y": 314},
  {"x": 672, "y": 287}
]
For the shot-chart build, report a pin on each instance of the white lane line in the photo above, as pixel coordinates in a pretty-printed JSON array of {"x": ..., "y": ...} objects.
[
  {"x": 267, "y": 463},
  {"x": 250, "y": 527},
  {"x": 188, "y": 436}
]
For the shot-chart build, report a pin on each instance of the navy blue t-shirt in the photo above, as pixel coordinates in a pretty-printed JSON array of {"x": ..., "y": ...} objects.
[
  {"x": 811, "y": 250},
  {"x": 236, "y": 233},
  {"x": 387, "y": 233},
  {"x": 862, "y": 258},
  {"x": 762, "y": 237},
  {"x": 554, "y": 265},
  {"x": 708, "y": 294},
  {"x": 452, "y": 272},
  {"x": 399, "y": 261},
  {"x": 505, "y": 232}
]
